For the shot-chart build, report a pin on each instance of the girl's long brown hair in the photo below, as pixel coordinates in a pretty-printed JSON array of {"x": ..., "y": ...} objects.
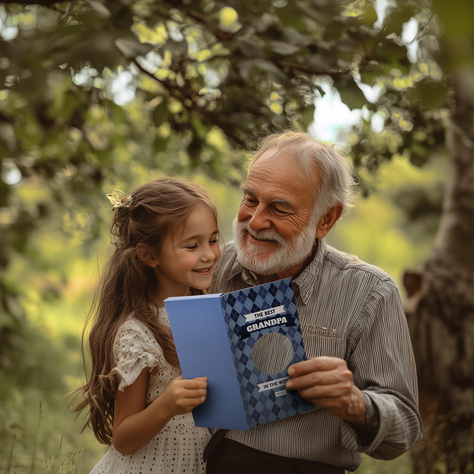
[{"x": 147, "y": 216}]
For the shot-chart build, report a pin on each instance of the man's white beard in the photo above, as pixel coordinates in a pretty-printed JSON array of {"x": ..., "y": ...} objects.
[{"x": 288, "y": 254}]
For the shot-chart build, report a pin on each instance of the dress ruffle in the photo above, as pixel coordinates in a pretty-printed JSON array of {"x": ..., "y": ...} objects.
[{"x": 135, "y": 348}]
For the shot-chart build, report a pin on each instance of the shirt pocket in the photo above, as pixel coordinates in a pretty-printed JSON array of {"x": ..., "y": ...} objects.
[{"x": 317, "y": 345}]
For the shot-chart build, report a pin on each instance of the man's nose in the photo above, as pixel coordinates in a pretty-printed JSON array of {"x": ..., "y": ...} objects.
[{"x": 260, "y": 219}]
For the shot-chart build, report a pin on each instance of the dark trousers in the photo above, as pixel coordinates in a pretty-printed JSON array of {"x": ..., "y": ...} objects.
[{"x": 230, "y": 457}]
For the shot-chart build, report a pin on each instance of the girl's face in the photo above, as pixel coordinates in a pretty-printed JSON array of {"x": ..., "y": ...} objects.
[{"x": 189, "y": 255}]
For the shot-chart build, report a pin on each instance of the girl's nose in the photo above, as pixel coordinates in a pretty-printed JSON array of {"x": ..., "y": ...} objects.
[{"x": 208, "y": 254}]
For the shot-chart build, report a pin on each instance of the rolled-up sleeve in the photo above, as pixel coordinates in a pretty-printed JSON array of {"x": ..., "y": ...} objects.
[{"x": 384, "y": 369}]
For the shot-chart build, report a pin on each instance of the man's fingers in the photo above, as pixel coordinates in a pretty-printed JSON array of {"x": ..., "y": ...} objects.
[
  {"x": 324, "y": 392},
  {"x": 312, "y": 365},
  {"x": 318, "y": 372}
]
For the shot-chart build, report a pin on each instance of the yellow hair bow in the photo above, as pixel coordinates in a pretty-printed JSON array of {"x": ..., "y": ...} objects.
[{"x": 119, "y": 198}]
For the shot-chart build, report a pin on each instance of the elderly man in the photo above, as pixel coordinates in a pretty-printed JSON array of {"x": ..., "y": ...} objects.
[{"x": 360, "y": 373}]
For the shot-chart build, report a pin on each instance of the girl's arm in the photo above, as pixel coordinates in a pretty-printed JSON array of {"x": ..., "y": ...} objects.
[{"x": 135, "y": 425}]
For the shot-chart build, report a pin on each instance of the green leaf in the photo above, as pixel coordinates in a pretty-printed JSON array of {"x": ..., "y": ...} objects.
[
  {"x": 307, "y": 116},
  {"x": 177, "y": 48},
  {"x": 245, "y": 69},
  {"x": 275, "y": 74},
  {"x": 370, "y": 74},
  {"x": 323, "y": 60},
  {"x": 131, "y": 47},
  {"x": 249, "y": 48},
  {"x": 283, "y": 48},
  {"x": 369, "y": 16},
  {"x": 429, "y": 93},
  {"x": 100, "y": 9},
  {"x": 160, "y": 113},
  {"x": 322, "y": 13},
  {"x": 397, "y": 15},
  {"x": 394, "y": 55},
  {"x": 350, "y": 92},
  {"x": 293, "y": 36}
]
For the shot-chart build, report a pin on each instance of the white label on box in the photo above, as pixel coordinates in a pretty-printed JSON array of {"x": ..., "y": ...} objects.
[
  {"x": 266, "y": 313},
  {"x": 272, "y": 384}
]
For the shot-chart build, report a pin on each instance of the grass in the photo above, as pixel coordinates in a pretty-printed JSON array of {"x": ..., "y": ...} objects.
[
  {"x": 401, "y": 465},
  {"x": 38, "y": 433}
]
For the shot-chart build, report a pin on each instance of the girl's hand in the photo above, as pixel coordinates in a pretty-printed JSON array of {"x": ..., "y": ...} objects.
[
  {"x": 135, "y": 425},
  {"x": 183, "y": 395}
]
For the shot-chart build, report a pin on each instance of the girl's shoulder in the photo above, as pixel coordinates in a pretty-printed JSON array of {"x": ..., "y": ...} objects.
[
  {"x": 134, "y": 333},
  {"x": 133, "y": 324},
  {"x": 134, "y": 336},
  {"x": 135, "y": 348}
]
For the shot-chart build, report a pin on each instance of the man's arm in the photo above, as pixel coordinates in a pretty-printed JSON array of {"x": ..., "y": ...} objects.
[{"x": 379, "y": 374}]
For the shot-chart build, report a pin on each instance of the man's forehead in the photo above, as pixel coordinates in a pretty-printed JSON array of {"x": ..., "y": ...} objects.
[{"x": 269, "y": 192}]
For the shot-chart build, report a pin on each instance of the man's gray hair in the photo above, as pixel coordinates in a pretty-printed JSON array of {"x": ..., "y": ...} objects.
[{"x": 335, "y": 170}]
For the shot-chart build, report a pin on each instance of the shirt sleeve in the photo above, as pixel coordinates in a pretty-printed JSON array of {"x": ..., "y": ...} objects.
[
  {"x": 384, "y": 369},
  {"x": 135, "y": 348}
]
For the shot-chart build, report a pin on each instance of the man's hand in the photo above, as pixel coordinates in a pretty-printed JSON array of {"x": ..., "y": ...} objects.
[{"x": 327, "y": 382}]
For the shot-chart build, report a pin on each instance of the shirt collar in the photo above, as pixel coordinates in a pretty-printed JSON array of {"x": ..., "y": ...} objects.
[
  {"x": 246, "y": 275},
  {"x": 304, "y": 282}
]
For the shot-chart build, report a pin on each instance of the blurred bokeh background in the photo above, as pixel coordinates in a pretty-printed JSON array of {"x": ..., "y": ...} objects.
[{"x": 97, "y": 95}]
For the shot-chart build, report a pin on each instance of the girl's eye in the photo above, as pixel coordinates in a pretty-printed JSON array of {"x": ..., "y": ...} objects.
[
  {"x": 192, "y": 247},
  {"x": 213, "y": 241}
]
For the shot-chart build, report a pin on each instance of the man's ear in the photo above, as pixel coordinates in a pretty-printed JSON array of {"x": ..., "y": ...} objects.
[
  {"x": 147, "y": 255},
  {"x": 327, "y": 222}
]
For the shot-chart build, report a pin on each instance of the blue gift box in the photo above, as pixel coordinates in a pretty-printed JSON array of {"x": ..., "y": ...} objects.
[{"x": 243, "y": 342}]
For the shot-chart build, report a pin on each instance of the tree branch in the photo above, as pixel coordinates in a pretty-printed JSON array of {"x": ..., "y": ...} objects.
[
  {"x": 45, "y": 3},
  {"x": 314, "y": 72},
  {"x": 180, "y": 94}
]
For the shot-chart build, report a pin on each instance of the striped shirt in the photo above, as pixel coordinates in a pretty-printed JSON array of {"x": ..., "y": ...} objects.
[{"x": 352, "y": 310}]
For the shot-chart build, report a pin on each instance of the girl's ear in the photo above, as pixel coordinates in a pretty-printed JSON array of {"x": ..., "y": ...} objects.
[{"x": 147, "y": 255}]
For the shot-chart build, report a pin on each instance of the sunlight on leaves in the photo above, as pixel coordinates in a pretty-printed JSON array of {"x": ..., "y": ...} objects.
[
  {"x": 229, "y": 20},
  {"x": 155, "y": 36}
]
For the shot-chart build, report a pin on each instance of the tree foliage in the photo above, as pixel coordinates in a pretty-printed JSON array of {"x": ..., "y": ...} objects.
[{"x": 92, "y": 89}]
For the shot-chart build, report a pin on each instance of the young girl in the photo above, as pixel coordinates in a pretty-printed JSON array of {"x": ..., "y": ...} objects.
[{"x": 138, "y": 402}]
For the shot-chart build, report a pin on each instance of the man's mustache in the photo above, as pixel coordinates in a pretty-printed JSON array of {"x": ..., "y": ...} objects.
[{"x": 264, "y": 234}]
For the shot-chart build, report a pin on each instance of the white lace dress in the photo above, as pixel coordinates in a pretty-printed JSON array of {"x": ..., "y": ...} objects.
[{"x": 178, "y": 447}]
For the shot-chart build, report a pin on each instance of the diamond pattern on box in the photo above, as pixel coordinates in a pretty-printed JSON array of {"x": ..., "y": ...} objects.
[{"x": 269, "y": 404}]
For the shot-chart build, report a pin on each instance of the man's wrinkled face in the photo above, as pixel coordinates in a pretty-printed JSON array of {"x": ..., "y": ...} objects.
[{"x": 274, "y": 229}]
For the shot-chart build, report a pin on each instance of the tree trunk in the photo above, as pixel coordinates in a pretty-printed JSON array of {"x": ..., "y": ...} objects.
[{"x": 440, "y": 308}]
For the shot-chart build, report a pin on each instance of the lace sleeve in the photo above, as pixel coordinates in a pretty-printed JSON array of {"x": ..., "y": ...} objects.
[{"x": 135, "y": 348}]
